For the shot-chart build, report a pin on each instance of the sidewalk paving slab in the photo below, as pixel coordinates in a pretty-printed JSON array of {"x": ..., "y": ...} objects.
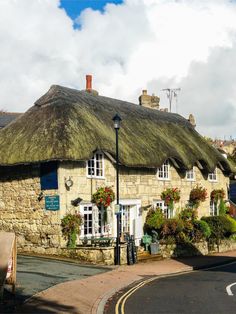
[{"x": 89, "y": 295}]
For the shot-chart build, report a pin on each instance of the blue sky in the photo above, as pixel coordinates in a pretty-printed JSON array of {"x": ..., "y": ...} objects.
[{"x": 74, "y": 7}]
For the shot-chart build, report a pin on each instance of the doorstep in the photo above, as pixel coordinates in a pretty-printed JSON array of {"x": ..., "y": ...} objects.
[{"x": 144, "y": 257}]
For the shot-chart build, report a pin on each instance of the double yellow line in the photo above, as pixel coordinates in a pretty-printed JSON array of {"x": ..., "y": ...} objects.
[{"x": 120, "y": 305}]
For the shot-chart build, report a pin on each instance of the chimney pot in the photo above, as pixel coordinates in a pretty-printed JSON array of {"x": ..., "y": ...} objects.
[{"x": 88, "y": 82}]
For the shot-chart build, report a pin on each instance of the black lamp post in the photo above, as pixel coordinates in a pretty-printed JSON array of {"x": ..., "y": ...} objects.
[{"x": 117, "y": 120}]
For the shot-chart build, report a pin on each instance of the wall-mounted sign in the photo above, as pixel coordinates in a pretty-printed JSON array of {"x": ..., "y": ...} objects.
[{"x": 52, "y": 202}]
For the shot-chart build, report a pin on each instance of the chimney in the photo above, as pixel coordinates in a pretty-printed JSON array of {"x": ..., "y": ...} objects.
[
  {"x": 148, "y": 101},
  {"x": 89, "y": 85},
  {"x": 192, "y": 120},
  {"x": 89, "y": 82}
]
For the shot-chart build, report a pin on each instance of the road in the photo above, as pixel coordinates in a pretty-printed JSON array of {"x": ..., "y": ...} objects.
[
  {"x": 35, "y": 274},
  {"x": 202, "y": 292}
]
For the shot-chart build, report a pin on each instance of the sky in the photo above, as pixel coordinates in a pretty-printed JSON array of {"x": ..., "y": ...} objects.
[{"x": 127, "y": 46}]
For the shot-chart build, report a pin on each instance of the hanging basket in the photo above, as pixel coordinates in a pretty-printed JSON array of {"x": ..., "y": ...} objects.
[
  {"x": 170, "y": 196},
  {"x": 197, "y": 195},
  {"x": 104, "y": 196},
  {"x": 217, "y": 194}
]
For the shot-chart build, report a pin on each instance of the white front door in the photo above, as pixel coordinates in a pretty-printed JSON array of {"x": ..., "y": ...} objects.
[{"x": 131, "y": 219}]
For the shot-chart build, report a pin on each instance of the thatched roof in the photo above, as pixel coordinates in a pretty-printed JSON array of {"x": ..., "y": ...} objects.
[
  {"x": 66, "y": 124},
  {"x": 7, "y": 117}
]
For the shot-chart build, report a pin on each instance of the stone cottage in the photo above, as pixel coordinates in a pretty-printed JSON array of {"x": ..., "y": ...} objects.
[{"x": 54, "y": 157}]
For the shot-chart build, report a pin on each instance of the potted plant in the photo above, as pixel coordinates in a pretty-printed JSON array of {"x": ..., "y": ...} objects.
[
  {"x": 170, "y": 196},
  {"x": 103, "y": 198},
  {"x": 71, "y": 224}
]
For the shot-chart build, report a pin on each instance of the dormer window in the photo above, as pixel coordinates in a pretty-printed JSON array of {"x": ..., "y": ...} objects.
[
  {"x": 95, "y": 166},
  {"x": 190, "y": 175},
  {"x": 212, "y": 177},
  {"x": 163, "y": 173}
]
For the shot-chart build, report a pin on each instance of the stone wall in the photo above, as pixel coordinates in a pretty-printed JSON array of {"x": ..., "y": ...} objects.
[
  {"x": 134, "y": 184},
  {"x": 201, "y": 248},
  {"x": 22, "y": 212},
  {"x": 39, "y": 230},
  {"x": 92, "y": 255}
]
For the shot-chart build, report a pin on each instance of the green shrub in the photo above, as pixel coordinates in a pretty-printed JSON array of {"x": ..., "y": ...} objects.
[
  {"x": 220, "y": 226},
  {"x": 172, "y": 228},
  {"x": 233, "y": 237},
  {"x": 232, "y": 224},
  {"x": 202, "y": 230},
  {"x": 154, "y": 219},
  {"x": 188, "y": 213},
  {"x": 223, "y": 208}
]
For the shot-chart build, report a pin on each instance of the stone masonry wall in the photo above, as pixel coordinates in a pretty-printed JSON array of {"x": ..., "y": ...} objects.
[
  {"x": 39, "y": 230},
  {"x": 22, "y": 212},
  {"x": 134, "y": 184}
]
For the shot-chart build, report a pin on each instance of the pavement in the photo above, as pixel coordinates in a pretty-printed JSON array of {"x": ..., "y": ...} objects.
[{"x": 89, "y": 295}]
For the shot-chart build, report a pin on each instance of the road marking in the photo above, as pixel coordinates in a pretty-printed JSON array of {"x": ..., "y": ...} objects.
[
  {"x": 125, "y": 296},
  {"x": 228, "y": 288}
]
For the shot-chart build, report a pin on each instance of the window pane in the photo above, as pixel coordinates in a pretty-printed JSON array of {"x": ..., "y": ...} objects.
[{"x": 163, "y": 171}]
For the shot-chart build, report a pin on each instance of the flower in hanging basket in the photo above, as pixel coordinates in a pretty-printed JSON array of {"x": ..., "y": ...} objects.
[
  {"x": 170, "y": 196},
  {"x": 104, "y": 196},
  {"x": 70, "y": 225},
  {"x": 217, "y": 195},
  {"x": 197, "y": 195}
]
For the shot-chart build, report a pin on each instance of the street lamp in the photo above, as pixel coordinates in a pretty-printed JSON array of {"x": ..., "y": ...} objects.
[{"x": 117, "y": 120}]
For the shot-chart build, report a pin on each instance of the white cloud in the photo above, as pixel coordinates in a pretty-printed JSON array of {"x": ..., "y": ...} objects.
[{"x": 140, "y": 44}]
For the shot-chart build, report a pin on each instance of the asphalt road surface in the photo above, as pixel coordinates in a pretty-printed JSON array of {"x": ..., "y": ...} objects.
[
  {"x": 35, "y": 274},
  {"x": 202, "y": 292}
]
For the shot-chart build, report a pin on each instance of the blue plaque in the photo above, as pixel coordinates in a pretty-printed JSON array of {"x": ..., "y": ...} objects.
[{"x": 52, "y": 202}]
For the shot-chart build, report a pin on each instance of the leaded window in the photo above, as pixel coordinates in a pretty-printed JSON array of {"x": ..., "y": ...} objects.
[
  {"x": 212, "y": 176},
  {"x": 163, "y": 173},
  {"x": 95, "y": 166}
]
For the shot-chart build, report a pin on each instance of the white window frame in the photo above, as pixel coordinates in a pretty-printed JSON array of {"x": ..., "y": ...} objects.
[
  {"x": 190, "y": 175},
  {"x": 213, "y": 209},
  {"x": 163, "y": 173},
  {"x": 98, "y": 165},
  {"x": 167, "y": 212},
  {"x": 97, "y": 222},
  {"x": 125, "y": 218},
  {"x": 212, "y": 177}
]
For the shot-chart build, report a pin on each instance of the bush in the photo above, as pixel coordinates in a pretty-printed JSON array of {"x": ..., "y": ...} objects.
[
  {"x": 188, "y": 213},
  {"x": 172, "y": 228},
  {"x": 202, "y": 230},
  {"x": 154, "y": 219},
  {"x": 220, "y": 226},
  {"x": 232, "y": 224}
]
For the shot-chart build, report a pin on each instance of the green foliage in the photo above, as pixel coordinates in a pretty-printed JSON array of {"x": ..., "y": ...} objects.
[
  {"x": 233, "y": 237},
  {"x": 202, "y": 230},
  {"x": 70, "y": 225},
  {"x": 232, "y": 224},
  {"x": 103, "y": 196},
  {"x": 223, "y": 208},
  {"x": 220, "y": 226},
  {"x": 154, "y": 219},
  {"x": 197, "y": 195},
  {"x": 172, "y": 228},
  {"x": 188, "y": 213},
  {"x": 170, "y": 196}
]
